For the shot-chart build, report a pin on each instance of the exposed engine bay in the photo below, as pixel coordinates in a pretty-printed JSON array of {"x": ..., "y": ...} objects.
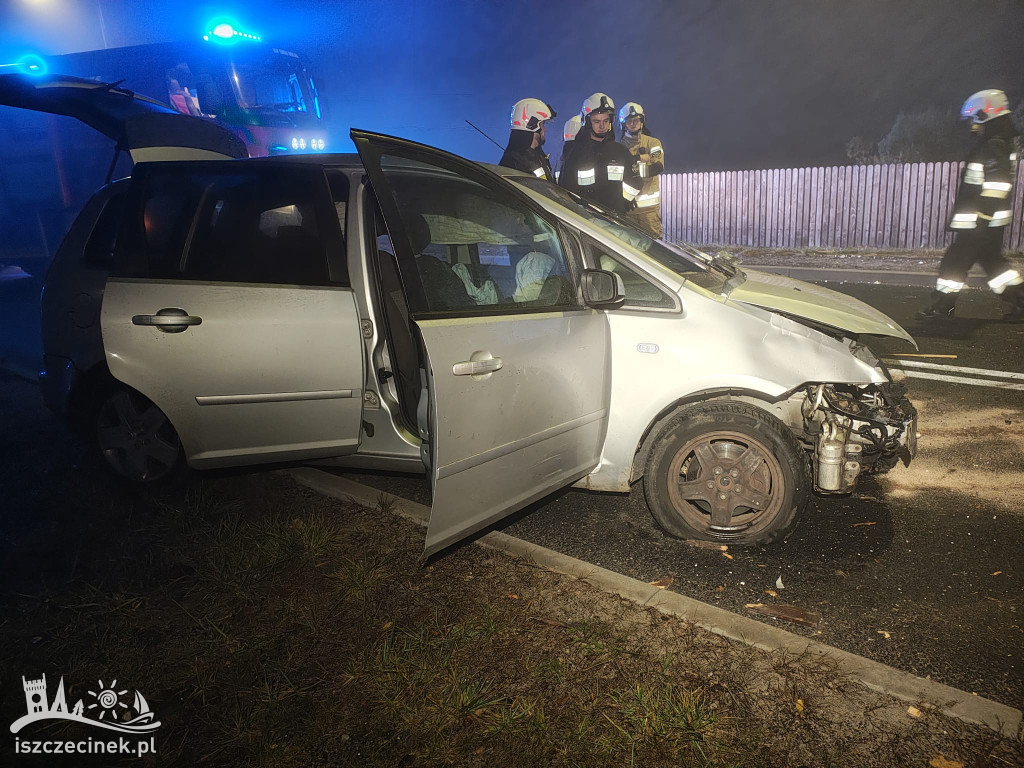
[{"x": 855, "y": 429}]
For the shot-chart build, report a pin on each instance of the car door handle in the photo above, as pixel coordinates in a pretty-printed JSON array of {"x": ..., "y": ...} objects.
[
  {"x": 168, "y": 320},
  {"x": 477, "y": 367}
]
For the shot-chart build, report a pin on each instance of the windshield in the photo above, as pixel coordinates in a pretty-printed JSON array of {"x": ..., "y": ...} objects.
[
  {"x": 275, "y": 83},
  {"x": 714, "y": 273}
]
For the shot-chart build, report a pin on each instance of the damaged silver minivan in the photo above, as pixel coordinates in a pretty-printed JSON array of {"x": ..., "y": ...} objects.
[{"x": 407, "y": 308}]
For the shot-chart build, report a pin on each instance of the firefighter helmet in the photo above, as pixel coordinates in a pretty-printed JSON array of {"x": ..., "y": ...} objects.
[
  {"x": 597, "y": 102},
  {"x": 984, "y": 105},
  {"x": 528, "y": 114},
  {"x": 572, "y": 127},
  {"x": 630, "y": 109}
]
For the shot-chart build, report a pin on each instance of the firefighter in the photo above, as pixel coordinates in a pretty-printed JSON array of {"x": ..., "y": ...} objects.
[
  {"x": 599, "y": 168},
  {"x": 650, "y": 161},
  {"x": 525, "y": 141},
  {"x": 572, "y": 127},
  {"x": 983, "y": 208}
]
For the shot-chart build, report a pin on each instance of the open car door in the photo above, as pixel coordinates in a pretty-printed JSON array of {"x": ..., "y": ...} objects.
[
  {"x": 141, "y": 126},
  {"x": 516, "y": 367}
]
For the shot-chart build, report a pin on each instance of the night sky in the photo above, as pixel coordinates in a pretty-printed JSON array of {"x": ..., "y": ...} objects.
[{"x": 727, "y": 84}]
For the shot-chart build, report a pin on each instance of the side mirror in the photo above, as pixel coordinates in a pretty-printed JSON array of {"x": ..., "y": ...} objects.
[{"x": 602, "y": 289}]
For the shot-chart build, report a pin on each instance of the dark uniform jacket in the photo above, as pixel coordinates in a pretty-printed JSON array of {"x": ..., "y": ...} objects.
[
  {"x": 601, "y": 171},
  {"x": 521, "y": 156},
  {"x": 985, "y": 196}
]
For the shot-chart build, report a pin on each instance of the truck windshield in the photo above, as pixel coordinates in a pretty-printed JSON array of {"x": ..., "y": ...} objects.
[
  {"x": 713, "y": 273},
  {"x": 275, "y": 83}
]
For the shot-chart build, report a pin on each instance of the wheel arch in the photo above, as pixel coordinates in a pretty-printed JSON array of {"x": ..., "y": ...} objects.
[
  {"x": 776, "y": 407},
  {"x": 89, "y": 389}
]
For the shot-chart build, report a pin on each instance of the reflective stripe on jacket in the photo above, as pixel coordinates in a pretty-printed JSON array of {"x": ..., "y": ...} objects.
[
  {"x": 985, "y": 195},
  {"x": 649, "y": 157}
]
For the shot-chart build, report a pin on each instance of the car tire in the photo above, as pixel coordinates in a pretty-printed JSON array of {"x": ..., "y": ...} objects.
[
  {"x": 137, "y": 440},
  {"x": 726, "y": 472}
]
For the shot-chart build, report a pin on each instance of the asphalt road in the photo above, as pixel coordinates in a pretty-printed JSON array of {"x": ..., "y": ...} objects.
[
  {"x": 927, "y": 579},
  {"x": 926, "y": 576}
]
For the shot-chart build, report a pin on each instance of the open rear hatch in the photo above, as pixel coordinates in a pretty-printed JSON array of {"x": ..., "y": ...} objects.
[{"x": 145, "y": 128}]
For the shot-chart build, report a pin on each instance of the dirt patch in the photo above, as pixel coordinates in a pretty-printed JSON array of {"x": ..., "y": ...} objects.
[{"x": 996, "y": 439}]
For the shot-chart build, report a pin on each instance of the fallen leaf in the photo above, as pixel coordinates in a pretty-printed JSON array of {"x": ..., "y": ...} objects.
[
  {"x": 726, "y": 554},
  {"x": 386, "y": 625},
  {"x": 913, "y": 711},
  {"x": 771, "y": 592},
  {"x": 779, "y": 584},
  {"x": 941, "y": 762},
  {"x": 513, "y": 596},
  {"x": 705, "y": 544},
  {"x": 478, "y": 751},
  {"x": 799, "y": 705},
  {"x": 719, "y": 588},
  {"x": 884, "y": 633},
  {"x": 997, "y": 573},
  {"x": 791, "y": 613},
  {"x": 855, "y": 525},
  {"x": 662, "y": 583}
]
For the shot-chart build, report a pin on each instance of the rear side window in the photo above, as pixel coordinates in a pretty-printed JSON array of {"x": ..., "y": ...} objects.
[
  {"x": 252, "y": 232},
  {"x": 99, "y": 249},
  {"x": 260, "y": 226},
  {"x": 156, "y": 229}
]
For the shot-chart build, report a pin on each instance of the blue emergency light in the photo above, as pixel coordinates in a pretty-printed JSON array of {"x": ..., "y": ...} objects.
[
  {"x": 226, "y": 31},
  {"x": 29, "y": 64}
]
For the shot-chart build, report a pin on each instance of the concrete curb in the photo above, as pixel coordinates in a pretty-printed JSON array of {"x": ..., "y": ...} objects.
[{"x": 950, "y": 701}]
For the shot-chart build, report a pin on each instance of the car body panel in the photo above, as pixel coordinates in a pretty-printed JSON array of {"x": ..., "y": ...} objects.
[
  {"x": 503, "y": 439},
  {"x": 146, "y": 128},
  {"x": 814, "y": 302},
  {"x": 272, "y": 373},
  {"x": 716, "y": 349}
]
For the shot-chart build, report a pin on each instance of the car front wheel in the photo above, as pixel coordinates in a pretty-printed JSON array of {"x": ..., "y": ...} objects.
[
  {"x": 726, "y": 472},
  {"x": 136, "y": 439}
]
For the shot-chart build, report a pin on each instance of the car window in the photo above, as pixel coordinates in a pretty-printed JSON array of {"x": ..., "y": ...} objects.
[
  {"x": 640, "y": 292},
  {"x": 99, "y": 249},
  {"x": 686, "y": 261},
  {"x": 167, "y": 208},
  {"x": 257, "y": 229},
  {"x": 338, "y": 183},
  {"x": 475, "y": 248}
]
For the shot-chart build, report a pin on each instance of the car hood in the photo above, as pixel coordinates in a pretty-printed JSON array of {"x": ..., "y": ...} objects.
[
  {"x": 798, "y": 299},
  {"x": 146, "y": 128}
]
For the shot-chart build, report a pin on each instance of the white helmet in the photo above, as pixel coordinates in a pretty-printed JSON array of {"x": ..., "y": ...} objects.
[
  {"x": 528, "y": 114},
  {"x": 597, "y": 102},
  {"x": 984, "y": 105},
  {"x": 630, "y": 109},
  {"x": 572, "y": 127}
]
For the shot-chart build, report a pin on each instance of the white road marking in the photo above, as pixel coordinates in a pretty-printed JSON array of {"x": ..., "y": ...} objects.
[
  {"x": 964, "y": 380},
  {"x": 958, "y": 369}
]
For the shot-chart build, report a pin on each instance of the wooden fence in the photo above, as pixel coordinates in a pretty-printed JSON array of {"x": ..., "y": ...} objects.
[{"x": 860, "y": 206}]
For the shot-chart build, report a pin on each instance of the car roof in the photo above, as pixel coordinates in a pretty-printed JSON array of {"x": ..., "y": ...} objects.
[{"x": 345, "y": 160}]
